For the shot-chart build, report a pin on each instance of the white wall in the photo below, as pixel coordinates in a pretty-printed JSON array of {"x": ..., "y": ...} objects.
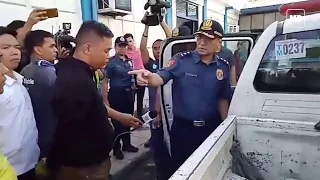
[
  {"x": 216, "y": 11},
  {"x": 258, "y": 3},
  {"x": 132, "y": 24},
  {"x": 69, "y": 11}
]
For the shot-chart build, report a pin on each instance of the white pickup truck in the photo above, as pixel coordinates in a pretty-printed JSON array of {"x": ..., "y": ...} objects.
[{"x": 274, "y": 109}]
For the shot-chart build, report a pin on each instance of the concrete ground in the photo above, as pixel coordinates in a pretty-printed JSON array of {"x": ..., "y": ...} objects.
[{"x": 121, "y": 167}]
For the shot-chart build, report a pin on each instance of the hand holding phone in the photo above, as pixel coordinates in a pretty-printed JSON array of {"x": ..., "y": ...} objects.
[
  {"x": 51, "y": 12},
  {"x": 38, "y": 15}
]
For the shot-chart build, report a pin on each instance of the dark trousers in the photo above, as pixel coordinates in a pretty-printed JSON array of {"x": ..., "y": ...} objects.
[
  {"x": 30, "y": 175},
  {"x": 160, "y": 154},
  {"x": 140, "y": 94},
  {"x": 185, "y": 138},
  {"x": 122, "y": 100}
]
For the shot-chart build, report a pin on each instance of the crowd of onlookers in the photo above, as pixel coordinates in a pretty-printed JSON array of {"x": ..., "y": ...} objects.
[{"x": 62, "y": 110}]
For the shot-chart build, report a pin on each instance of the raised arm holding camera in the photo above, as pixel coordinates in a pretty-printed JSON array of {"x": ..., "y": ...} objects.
[{"x": 160, "y": 151}]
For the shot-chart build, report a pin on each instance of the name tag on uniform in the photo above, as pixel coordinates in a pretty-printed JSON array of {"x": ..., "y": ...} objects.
[
  {"x": 190, "y": 74},
  {"x": 28, "y": 81}
]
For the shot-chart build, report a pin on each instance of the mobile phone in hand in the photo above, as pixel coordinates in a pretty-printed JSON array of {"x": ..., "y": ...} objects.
[{"x": 51, "y": 12}]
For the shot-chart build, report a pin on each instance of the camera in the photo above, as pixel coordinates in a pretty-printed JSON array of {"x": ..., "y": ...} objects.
[
  {"x": 63, "y": 38},
  {"x": 157, "y": 11}
]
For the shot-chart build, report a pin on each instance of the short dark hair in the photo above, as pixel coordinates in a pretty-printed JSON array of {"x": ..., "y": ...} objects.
[
  {"x": 6, "y": 30},
  {"x": 35, "y": 38},
  {"x": 128, "y": 35},
  {"x": 16, "y": 24},
  {"x": 158, "y": 40},
  {"x": 94, "y": 27}
]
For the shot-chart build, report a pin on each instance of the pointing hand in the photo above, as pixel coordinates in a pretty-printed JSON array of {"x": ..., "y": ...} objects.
[{"x": 143, "y": 76}]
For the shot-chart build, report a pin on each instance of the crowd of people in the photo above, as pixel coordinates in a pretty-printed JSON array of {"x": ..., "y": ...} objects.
[{"x": 62, "y": 112}]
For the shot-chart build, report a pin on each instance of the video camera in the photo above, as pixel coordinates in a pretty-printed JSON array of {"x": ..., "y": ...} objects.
[
  {"x": 157, "y": 11},
  {"x": 63, "y": 39}
]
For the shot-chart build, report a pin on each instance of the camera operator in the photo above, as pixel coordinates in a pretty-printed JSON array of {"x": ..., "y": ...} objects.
[
  {"x": 157, "y": 11},
  {"x": 64, "y": 41},
  {"x": 160, "y": 151}
]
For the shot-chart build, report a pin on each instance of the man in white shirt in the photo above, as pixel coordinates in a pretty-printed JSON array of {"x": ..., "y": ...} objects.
[{"x": 18, "y": 132}]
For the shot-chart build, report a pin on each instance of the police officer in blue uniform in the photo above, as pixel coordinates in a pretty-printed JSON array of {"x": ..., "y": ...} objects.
[
  {"x": 227, "y": 54},
  {"x": 121, "y": 94},
  {"x": 200, "y": 91},
  {"x": 39, "y": 78}
]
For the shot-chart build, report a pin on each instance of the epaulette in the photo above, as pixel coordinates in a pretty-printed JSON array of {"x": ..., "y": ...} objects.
[
  {"x": 184, "y": 54},
  {"x": 44, "y": 63},
  {"x": 223, "y": 60}
]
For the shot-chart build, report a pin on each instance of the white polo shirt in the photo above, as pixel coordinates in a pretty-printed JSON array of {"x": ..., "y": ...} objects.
[{"x": 18, "y": 131}]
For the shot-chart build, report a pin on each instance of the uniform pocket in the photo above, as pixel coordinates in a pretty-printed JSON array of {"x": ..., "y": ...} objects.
[{"x": 191, "y": 80}]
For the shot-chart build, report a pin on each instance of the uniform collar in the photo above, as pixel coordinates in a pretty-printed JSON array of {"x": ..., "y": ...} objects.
[
  {"x": 42, "y": 62},
  {"x": 10, "y": 81},
  {"x": 197, "y": 58},
  {"x": 118, "y": 57}
]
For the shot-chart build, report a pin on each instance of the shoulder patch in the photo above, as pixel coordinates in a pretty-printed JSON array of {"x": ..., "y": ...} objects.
[
  {"x": 170, "y": 63},
  {"x": 184, "y": 54},
  {"x": 223, "y": 60}
]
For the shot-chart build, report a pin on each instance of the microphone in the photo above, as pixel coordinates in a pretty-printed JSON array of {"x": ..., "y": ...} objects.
[
  {"x": 147, "y": 118},
  {"x": 133, "y": 78}
]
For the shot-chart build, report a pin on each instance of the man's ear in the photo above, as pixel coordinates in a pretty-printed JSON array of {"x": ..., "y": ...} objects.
[
  {"x": 86, "y": 48},
  {"x": 36, "y": 49}
]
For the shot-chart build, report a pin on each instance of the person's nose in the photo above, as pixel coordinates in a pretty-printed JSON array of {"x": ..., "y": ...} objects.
[
  {"x": 202, "y": 42},
  {"x": 15, "y": 51}
]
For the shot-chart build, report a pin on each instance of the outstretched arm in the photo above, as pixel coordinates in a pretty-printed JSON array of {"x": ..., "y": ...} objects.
[{"x": 143, "y": 46}]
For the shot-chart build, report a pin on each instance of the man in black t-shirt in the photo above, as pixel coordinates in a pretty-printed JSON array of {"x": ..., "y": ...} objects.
[{"x": 84, "y": 137}]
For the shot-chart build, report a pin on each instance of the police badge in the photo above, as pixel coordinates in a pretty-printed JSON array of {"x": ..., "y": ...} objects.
[
  {"x": 219, "y": 74},
  {"x": 207, "y": 25}
]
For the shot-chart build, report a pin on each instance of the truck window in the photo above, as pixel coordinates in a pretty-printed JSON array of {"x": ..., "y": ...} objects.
[
  {"x": 183, "y": 47},
  {"x": 291, "y": 64}
]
